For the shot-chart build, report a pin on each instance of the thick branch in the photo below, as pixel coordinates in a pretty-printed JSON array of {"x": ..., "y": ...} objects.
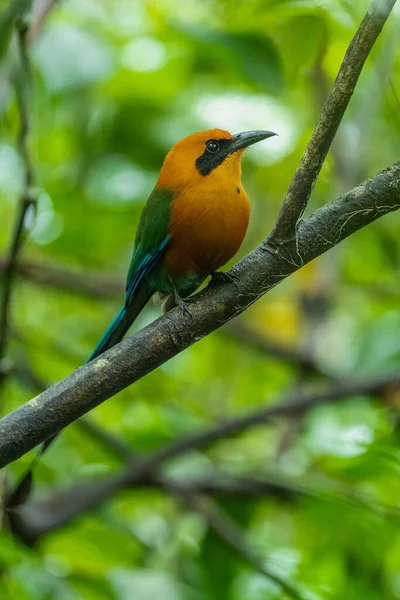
[
  {"x": 335, "y": 106},
  {"x": 136, "y": 356},
  {"x": 133, "y": 358}
]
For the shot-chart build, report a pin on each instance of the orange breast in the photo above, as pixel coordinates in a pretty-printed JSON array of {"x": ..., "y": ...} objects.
[{"x": 207, "y": 228}]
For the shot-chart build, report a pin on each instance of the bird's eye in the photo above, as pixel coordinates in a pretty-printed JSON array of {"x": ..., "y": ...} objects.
[{"x": 212, "y": 146}]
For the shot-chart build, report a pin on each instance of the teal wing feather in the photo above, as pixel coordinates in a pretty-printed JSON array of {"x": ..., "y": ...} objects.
[
  {"x": 151, "y": 234},
  {"x": 150, "y": 244}
]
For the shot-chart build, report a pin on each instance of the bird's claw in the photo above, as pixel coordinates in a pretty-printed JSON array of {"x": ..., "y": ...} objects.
[
  {"x": 182, "y": 303},
  {"x": 218, "y": 277}
]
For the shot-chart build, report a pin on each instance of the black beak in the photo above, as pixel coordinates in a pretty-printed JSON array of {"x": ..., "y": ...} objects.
[{"x": 247, "y": 138}]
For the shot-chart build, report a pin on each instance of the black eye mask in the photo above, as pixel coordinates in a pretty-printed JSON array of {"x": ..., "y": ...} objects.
[{"x": 210, "y": 159}]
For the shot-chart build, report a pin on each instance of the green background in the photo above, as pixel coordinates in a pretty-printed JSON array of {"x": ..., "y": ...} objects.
[{"x": 116, "y": 83}]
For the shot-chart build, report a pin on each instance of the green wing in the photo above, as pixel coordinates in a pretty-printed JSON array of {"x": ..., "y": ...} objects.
[{"x": 151, "y": 237}]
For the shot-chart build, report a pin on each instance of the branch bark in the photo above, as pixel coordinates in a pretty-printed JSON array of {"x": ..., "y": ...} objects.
[{"x": 136, "y": 356}]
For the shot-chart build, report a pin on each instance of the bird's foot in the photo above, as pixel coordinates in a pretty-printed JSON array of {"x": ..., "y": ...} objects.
[
  {"x": 218, "y": 277},
  {"x": 182, "y": 302}
]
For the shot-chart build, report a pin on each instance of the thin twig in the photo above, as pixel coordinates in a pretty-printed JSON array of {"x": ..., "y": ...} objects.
[
  {"x": 28, "y": 196},
  {"x": 331, "y": 116},
  {"x": 297, "y": 405},
  {"x": 15, "y": 15},
  {"x": 144, "y": 468},
  {"x": 9, "y": 18}
]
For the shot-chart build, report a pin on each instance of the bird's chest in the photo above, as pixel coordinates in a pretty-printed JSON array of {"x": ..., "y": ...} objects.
[{"x": 207, "y": 229}]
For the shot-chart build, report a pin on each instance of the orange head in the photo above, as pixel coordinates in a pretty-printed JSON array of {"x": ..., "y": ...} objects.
[{"x": 214, "y": 154}]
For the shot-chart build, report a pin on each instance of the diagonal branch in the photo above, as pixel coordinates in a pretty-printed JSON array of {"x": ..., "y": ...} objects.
[
  {"x": 138, "y": 355},
  {"x": 332, "y": 113},
  {"x": 264, "y": 268}
]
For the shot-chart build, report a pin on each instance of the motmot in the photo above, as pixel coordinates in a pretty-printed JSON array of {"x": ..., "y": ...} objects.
[{"x": 193, "y": 223}]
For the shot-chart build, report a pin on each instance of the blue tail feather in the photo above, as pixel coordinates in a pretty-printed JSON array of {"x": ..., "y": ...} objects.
[
  {"x": 109, "y": 332},
  {"x": 137, "y": 295}
]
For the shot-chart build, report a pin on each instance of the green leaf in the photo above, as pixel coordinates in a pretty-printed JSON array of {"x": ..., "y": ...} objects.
[{"x": 253, "y": 54}]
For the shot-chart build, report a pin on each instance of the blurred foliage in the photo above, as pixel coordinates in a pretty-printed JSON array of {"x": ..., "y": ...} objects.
[{"x": 117, "y": 82}]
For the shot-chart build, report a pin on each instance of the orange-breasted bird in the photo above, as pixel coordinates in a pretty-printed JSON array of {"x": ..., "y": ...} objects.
[{"x": 193, "y": 223}]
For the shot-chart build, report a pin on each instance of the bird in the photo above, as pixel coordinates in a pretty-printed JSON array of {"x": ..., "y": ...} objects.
[{"x": 193, "y": 223}]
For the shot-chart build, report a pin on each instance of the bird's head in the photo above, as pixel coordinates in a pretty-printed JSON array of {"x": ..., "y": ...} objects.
[{"x": 214, "y": 154}]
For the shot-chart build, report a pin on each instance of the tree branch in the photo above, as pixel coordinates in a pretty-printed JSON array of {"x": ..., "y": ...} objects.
[
  {"x": 335, "y": 106},
  {"x": 138, "y": 355}
]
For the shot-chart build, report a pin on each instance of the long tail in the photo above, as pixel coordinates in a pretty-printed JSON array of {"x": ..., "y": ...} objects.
[
  {"x": 113, "y": 334},
  {"x": 122, "y": 322}
]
